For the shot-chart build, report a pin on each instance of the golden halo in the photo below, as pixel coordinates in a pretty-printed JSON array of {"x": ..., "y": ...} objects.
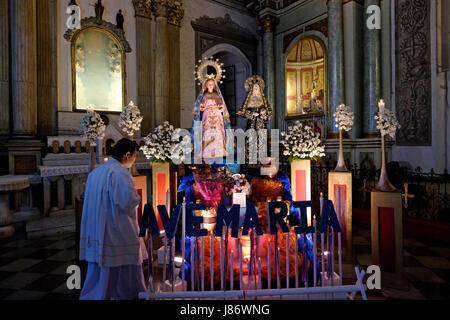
[
  {"x": 254, "y": 80},
  {"x": 200, "y": 71}
]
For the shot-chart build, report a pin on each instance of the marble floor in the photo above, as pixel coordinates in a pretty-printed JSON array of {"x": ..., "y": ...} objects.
[{"x": 36, "y": 269}]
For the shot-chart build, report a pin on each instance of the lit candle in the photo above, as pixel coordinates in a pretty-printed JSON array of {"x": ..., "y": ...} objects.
[
  {"x": 323, "y": 259},
  {"x": 249, "y": 273},
  {"x": 381, "y": 105}
]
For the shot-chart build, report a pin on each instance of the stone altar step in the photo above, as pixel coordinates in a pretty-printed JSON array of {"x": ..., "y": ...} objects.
[{"x": 63, "y": 223}]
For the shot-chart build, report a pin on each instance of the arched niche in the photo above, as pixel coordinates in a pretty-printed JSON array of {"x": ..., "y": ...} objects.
[
  {"x": 98, "y": 59},
  {"x": 305, "y": 74}
]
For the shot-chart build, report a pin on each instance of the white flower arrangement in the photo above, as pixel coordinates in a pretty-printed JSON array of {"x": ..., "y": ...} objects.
[
  {"x": 130, "y": 119},
  {"x": 344, "y": 118},
  {"x": 300, "y": 142},
  {"x": 158, "y": 145},
  {"x": 387, "y": 123},
  {"x": 92, "y": 126}
]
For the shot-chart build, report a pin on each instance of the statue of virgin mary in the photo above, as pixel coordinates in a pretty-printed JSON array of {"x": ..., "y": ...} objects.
[{"x": 211, "y": 125}]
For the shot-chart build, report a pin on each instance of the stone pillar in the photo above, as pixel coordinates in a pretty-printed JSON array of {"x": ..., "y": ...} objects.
[
  {"x": 162, "y": 63},
  {"x": 61, "y": 193},
  {"x": 335, "y": 62},
  {"x": 47, "y": 75},
  {"x": 174, "y": 17},
  {"x": 23, "y": 67},
  {"x": 4, "y": 68},
  {"x": 386, "y": 56},
  {"x": 352, "y": 11},
  {"x": 145, "y": 63},
  {"x": 372, "y": 74},
  {"x": 268, "y": 25},
  {"x": 47, "y": 195}
]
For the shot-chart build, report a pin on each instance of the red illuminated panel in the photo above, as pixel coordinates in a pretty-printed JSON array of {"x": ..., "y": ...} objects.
[
  {"x": 387, "y": 239},
  {"x": 300, "y": 185},
  {"x": 161, "y": 189},
  {"x": 342, "y": 215}
]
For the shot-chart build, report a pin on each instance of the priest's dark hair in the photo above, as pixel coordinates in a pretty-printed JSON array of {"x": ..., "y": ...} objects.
[{"x": 122, "y": 147}]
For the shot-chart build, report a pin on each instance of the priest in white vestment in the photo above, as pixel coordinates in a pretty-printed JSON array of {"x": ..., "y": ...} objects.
[{"x": 109, "y": 239}]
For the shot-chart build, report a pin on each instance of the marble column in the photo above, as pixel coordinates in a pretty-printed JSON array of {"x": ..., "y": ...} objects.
[
  {"x": 23, "y": 67},
  {"x": 47, "y": 74},
  {"x": 352, "y": 12},
  {"x": 335, "y": 62},
  {"x": 145, "y": 63},
  {"x": 268, "y": 25},
  {"x": 4, "y": 68},
  {"x": 162, "y": 63},
  {"x": 386, "y": 56},
  {"x": 174, "y": 17},
  {"x": 372, "y": 74}
]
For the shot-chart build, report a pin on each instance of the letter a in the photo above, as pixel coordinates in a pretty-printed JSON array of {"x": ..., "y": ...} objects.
[
  {"x": 374, "y": 281},
  {"x": 374, "y": 20}
]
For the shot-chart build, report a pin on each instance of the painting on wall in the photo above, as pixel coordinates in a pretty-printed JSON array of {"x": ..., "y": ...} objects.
[
  {"x": 98, "y": 71},
  {"x": 305, "y": 79}
]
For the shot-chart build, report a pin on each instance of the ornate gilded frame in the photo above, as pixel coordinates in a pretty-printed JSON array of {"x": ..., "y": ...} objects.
[{"x": 110, "y": 29}]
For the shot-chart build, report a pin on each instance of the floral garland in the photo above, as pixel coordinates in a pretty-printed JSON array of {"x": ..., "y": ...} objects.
[
  {"x": 130, "y": 119},
  {"x": 300, "y": 142},
  {"x": 92, "y": 126},
  {"x": 387, "y": 123},
  {"x": 344, "y": 118}
]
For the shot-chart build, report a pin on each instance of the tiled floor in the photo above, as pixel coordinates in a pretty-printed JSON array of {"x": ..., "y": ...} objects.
[{"x": 36, "y": 269}]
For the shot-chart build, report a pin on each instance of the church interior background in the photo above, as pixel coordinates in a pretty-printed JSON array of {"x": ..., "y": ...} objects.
[{"x": 313, "y": 55}]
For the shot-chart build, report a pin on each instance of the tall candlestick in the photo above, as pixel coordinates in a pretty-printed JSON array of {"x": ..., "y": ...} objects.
[
  {"x": 323, "y": 260},
  {"x": 168, "y": 201},
  {"x": 192, "y": 264},
  {"x": 278, "y": 269},
  {"x": 211, "y": 263},
  {"x": 231, "y": 270},
  {"x": 172, "y": 261},
  {"x": 287, "y": 260},
  {"x": 203, "y": 263},
  {"x": 240, "y": 266},
  {"x": 315, "y": 251},
  {"x": 259, "y": 274},
  {"x": 305, "y": 265},
  {"x": 221, "y": 262},
  {"x": 296, "y": 260},
  {"x": 249, "y": 274},
  {"x": 165, "y": 259},
  {"x": 269, "y": 275},
  {"x": 183, "y": 247}
]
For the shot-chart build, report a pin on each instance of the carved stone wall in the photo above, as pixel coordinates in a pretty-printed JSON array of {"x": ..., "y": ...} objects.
[
  {"x": 413, "y": 87},
  {"x": 213, "y": 31}
]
